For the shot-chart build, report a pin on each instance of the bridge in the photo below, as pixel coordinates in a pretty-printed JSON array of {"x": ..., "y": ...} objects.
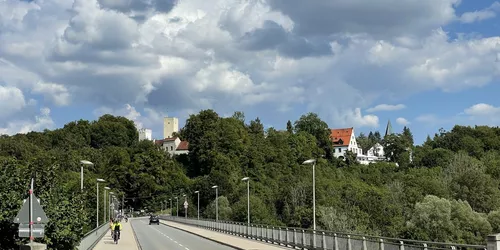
[{"x": 178, "y": 233}]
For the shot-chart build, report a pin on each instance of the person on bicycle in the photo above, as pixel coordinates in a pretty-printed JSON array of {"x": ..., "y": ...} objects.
[{"x": 117, "y": 227}]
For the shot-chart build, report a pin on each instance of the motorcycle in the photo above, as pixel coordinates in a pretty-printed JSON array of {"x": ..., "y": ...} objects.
[{"x": 116, "y": 237}]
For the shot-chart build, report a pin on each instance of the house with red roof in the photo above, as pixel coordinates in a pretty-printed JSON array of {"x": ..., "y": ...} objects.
[
  {"x": 344, "y": 140},
  {"x": 173, "y": 145}
]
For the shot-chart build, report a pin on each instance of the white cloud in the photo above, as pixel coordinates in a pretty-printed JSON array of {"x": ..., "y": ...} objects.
[
  {"x": 482, "y": 109},
  {"x": 386, "y": 107},
  {"x": 149, "y": 118},
  {"x": 240, "y": 55},
  {"x": 480, "y": 15},
  {"x": 42, "y": 121},
  {"x": 12, "y": 101},
  {"x": 402, "y": 121}
]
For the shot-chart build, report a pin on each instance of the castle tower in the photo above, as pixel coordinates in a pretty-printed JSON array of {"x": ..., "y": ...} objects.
[
  {"x": 388, "y": 129},
  {"x": 170, "y": 125},
  {"x": 145, "y": 134}
]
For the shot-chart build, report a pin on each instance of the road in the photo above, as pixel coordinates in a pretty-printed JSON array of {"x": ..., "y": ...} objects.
[{"x": 162, "y": 237}]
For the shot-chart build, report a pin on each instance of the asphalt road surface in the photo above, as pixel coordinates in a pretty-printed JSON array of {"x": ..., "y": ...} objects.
[{"x": 162, "y": 237}]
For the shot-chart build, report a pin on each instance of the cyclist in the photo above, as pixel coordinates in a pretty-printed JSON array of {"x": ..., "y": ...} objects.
[{"x": 117, "y": 227}]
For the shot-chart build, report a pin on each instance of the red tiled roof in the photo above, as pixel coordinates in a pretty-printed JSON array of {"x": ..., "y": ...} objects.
[
  {"x": 159, "y": 142},
  {"x": 184, "y": 145},
  {"x": 341, "y": 137}
]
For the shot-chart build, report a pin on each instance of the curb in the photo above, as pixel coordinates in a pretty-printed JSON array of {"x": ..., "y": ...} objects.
[
  {"x": 135, "y": 235},
  {"x": 204, "y": 237}
]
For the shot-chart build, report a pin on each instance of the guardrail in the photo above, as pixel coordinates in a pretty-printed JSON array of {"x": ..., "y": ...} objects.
[
  {"x": 317, "y": 240},
  {"x": 93, "y": 237}
]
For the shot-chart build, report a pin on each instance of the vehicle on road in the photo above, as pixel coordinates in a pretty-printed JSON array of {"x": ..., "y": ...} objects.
[{"x": 153, "y": 219}]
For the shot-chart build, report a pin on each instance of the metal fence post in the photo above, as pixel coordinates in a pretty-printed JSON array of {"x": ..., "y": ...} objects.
[
  {"x": 294, "y": 237},
  {"x": 323, "y": 242},
  {"x": 349, "y": 246},
  {"x": 364, "y": 243},
  {"x": 381, "y": 244},
  {"x": 335, "y": 242},
  {"x": 401, "y": 245},
  {"x": 425, "y": 246}
]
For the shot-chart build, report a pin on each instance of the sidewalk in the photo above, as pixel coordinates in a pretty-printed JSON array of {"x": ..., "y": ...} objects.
[
  {"x": 127, "y": 239},
  {"x": 225, "y": 239}
]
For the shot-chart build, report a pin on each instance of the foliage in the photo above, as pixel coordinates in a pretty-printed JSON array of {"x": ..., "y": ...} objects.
[{"x": 445, "y": 189}]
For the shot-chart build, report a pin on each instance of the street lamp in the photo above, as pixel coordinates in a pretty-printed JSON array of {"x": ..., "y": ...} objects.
[
  {"x": 110, "y": 196},
  {"x": 247, "y": 179},
  {"x": 177, "y": 200},
  {"x": 313, "y": 162},
  {"x": 97, "y": 197},
  {"x": 105, "y": 205},
  {"x": 216, "y": 202},
  {"x": 171, "y": 207},
  {"x": 185, "y": 207},
  {"x": 198, "y": 192},
  {"x": 83, "y": 163}
]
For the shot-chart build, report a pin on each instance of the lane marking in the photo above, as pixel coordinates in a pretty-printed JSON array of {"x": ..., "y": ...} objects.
[{"x": 168, "y": 237}]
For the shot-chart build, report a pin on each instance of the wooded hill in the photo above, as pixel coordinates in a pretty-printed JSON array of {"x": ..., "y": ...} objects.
[{"x": 450, "y": 192}]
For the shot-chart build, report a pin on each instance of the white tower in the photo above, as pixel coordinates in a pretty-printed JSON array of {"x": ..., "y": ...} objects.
[{"x": 170, "y": 125}]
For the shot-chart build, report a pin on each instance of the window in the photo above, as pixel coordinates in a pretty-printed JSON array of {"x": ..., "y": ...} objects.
[
  {"x": 171, "y": 148},
  {"x": 340, "y": 150}
]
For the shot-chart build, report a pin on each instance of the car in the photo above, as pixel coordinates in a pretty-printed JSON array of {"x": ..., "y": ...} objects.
[{"x": 154, "y": 220}]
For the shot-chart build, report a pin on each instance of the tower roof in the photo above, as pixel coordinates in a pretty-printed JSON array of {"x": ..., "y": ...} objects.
[{"x": 388, "y": 129}]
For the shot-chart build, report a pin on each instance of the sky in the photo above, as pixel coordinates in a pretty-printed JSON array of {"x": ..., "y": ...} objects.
[{"x": 425, "y": 64}]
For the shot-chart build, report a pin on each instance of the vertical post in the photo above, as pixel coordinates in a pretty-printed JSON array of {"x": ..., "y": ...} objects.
[
  {"x": 248, "y": 202},
  {"x": 198, "y": 205},
  {"x": 104, "y": 205},
  {"x": 216, "y": 204},
  {"x": 31, "y": 211},
  {"x": 97, "y": 207},
  {"x": 314, "y": 199},
  {"x": 123, "y": 204},
  {"x": 493, "y": 242},
  {"x": 185, "y": 208},
  {"x": 81, "y": 178}
]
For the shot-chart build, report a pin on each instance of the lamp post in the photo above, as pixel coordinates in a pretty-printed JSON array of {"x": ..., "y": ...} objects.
[
  {"x": 185, "y": 207},
  {"x": 313, "y": 162},
  {"x": 105, "y": 204},
  {"x": 177, "y": 200},
  {"x": 247, "y": 179},
  {"x": 216, "y": 202},
  {"x": 171, "y": 207},
  {"x": 83, "y": 163},
  {"x": 110, "y": 196},
  {"x": 198, "y": 192},
  {"x": 97, "y": 197}
]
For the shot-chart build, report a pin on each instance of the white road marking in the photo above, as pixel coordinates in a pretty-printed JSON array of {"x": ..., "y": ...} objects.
[{"x": 167, "y": 237}]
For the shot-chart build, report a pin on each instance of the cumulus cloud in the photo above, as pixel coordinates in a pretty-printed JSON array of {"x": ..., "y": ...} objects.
[
  {"x": 277, "y": 56},
  {"x": 147, "y": 118},
  {"x": 386, "y": 107},
  {"x": 480, "y": 15},
  {"x": 40, "y": 122},
  {"x": 402, "y": 121},
  {"x": 482, "y": 114}
]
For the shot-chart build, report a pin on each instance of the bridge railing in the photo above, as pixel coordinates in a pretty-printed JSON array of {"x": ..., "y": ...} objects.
[
  {"x": 317, "y": 240},
  {"x": 93, "y": 237}
]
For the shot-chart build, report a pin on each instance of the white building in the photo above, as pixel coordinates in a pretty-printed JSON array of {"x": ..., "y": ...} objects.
[
  {"x": 170, "y": 125},
  {"x": 372, "y": 155},
  {"x": 145, "y": 134},
  {"x": 173, "y": 145},
  {"x": 343, "y": 139}
]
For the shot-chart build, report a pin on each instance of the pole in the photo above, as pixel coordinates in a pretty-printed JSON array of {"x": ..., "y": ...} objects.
[
  {"x": 31, "y": 211},
  {"x": 198, "y": 205},
  {"x": 81, "y": 177},
  {"x": 314, "y": 197},
  {"x": 104, "y": 204},
  {"x": 171, "y": 208},
  {"x": 123, "y": 203},
  {"x": 97, "y": 210},
  {"x": 216, "y": 204},
  {"x": 248, "y": 202},
  {"x": 177, "y": 213},
  {"x": 185, "y": 208}
]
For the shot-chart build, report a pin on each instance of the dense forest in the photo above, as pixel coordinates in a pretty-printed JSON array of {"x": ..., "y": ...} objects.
[{"x": 447, "y": 191}]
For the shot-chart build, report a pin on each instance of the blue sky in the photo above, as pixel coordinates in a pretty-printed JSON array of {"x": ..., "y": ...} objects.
[{"x": 426, "y": 64}]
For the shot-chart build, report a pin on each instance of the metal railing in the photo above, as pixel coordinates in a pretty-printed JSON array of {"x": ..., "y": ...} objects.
[
  {"x": 317, "y": 240},
  {"x": 93, "y": 237}
]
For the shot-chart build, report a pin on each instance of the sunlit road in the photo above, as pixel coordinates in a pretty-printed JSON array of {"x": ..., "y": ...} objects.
[{"x": 161, "y": 237}]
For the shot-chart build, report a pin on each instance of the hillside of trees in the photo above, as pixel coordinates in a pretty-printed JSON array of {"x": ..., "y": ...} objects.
[{"x": 449, "y": 192}]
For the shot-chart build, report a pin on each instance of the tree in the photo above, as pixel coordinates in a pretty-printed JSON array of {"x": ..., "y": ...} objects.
[
  {"x": 312, "y": 124},
  {"x": 289, "y": 127}
]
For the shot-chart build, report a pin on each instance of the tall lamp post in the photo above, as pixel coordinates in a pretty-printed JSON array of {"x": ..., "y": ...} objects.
[
  {"x": 216, "y": 202},
  {"x": 247, "y": 179},
  {"x": 97, "y": 197},
  {"x": 313, "y": 162},
  {"x": 83, "y": 163},
  {"x": 105, "y": 204},
  {"x": 198, "y": 193},
  {"x": 171, "y": 207},
  {"x": 110, "y": 196}
]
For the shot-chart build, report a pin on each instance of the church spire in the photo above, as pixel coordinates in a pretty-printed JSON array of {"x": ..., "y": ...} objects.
[{"x": 388, "y": 129}]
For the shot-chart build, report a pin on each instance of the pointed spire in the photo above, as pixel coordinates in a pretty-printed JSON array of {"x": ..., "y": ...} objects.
[{"x": 388, "y": 129}]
